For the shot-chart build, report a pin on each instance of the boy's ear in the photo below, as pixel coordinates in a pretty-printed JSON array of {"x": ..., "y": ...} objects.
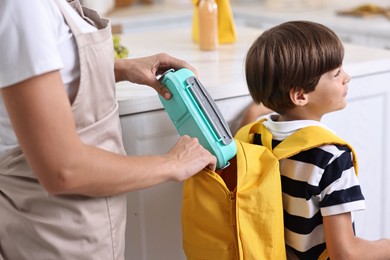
[{"x": 298, "y": 97}]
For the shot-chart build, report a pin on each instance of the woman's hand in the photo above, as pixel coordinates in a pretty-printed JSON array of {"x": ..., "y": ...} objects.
[
  {"x": 145, "y": 70},
  {"x": 189, "y": 157}
]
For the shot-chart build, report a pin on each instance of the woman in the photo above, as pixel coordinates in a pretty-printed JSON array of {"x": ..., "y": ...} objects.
[{"x": 63, "y": 169}]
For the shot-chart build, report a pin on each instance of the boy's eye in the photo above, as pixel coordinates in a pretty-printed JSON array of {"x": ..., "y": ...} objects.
[{"x": 338, "y": 72}]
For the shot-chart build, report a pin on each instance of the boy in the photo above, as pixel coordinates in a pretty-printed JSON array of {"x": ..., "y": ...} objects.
[{"x": 295, "y": 69}]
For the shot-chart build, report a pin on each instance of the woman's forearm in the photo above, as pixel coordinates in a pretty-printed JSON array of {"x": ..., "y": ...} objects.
[{"x": 43, "y": 122}]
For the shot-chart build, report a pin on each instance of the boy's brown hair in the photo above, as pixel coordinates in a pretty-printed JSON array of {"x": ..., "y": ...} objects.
[{"x": 292, "y": 55}]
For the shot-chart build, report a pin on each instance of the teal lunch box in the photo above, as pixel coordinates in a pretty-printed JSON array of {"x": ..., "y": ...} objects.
[{"x": 194, "y": 113}]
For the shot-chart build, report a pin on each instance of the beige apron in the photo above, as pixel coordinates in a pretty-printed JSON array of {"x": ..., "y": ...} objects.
[{"x": 37, "y": 225}]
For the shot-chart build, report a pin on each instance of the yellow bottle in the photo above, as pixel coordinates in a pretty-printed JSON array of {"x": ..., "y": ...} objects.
[{"x": 208, "y": 25}]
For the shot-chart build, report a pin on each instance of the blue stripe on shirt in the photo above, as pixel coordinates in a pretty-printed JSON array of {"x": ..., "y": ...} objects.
[
  {"x": 316, "y": 156},
  {"x": 342, "y": 196},
  {"x": 336, "y": 168},
  {"x": 301, "y": 225},
  {"x": 312, "y": 253}
]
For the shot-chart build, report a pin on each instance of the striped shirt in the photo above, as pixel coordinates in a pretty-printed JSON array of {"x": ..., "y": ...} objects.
[{"x": 315, "y": 183}]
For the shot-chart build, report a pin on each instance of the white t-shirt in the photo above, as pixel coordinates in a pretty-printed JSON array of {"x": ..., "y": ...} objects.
[{"x": 35, "y": 39}]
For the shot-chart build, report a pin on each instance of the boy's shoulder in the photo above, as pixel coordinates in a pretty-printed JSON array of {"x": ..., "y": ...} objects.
[{"x": 304, "y": 140}]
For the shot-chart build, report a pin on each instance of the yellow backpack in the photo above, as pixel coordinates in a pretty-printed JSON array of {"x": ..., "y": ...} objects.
[{"x": 237, "y": 213}]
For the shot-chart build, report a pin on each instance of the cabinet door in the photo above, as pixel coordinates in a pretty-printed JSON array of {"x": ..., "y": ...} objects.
[{"x": 153, "y": 228}]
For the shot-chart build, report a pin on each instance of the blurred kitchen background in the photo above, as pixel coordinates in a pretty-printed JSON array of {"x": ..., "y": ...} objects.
[
  {"x": 146, "y": 27},
  {"x": 368, "y": 28}
]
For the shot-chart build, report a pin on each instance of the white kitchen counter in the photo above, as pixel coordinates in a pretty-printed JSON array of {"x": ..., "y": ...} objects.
[{"x": 220, "y": 71}]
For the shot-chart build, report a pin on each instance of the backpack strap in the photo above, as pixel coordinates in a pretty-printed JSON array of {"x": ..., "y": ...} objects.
[
  {"x": 304, "y": 139},
  {"x": 245, "y": 133}
]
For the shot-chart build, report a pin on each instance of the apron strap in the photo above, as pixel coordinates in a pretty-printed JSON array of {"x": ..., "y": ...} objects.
[{"x": 73, "y": 26}]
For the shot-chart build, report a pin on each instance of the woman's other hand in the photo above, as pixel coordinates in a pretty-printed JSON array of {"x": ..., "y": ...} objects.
[{"x": 145, "y": 70}]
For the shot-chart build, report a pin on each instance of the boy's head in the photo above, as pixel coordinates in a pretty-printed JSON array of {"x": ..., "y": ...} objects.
[{"x": 292, "y": 55}]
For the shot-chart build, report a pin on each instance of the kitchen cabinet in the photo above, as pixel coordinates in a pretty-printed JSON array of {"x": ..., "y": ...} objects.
[{"x": 154, "y": 221}]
